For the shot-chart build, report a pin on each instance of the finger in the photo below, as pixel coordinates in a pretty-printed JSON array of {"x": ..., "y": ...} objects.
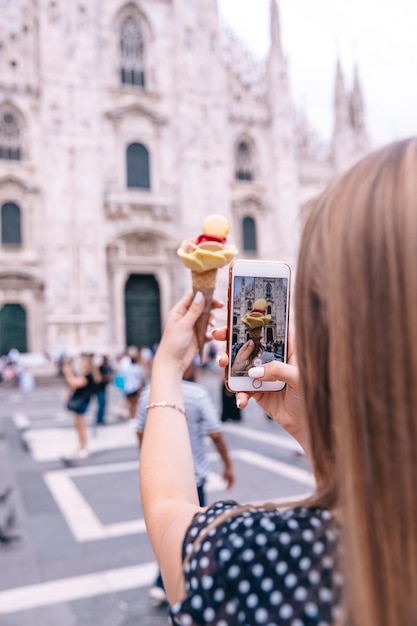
[
  {"x": 195, "y": 306},
  {"x": 219, "y": 334},
  {"x": 276, "y": 371},
  {"x": 246, "y": 349},
  {"x": 242, "y": 399},
  {"x": 222, "y": 359},
  {"x": 217, "y": 304}
]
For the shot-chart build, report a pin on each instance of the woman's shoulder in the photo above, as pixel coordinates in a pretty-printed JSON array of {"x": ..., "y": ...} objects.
[{"x": 264, "y": 524}]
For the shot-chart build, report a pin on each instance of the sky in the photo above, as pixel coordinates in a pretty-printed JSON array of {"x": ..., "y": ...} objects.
[{"x": 377, "y": 35}]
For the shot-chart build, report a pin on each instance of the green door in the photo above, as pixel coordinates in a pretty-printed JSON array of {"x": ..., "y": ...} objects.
[
  {"x": 13, "y": 331},
  {"x": 142, "y": 310}
]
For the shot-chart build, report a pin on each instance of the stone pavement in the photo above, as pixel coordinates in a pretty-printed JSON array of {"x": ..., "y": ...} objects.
[{"x": 83, "y": 557}]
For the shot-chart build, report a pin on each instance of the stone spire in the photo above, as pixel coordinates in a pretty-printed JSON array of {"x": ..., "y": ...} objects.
[
  {"x": 276, "y": 43},
  {"x": 277, "y": 65},
  {"x": 357, "y": 107},
  {"x": 341, "y": 104},
  {"x": 350, "y": 138}
]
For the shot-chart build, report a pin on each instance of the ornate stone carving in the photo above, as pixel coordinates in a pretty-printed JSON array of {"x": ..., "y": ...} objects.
[{"x": 140, "y": 244}]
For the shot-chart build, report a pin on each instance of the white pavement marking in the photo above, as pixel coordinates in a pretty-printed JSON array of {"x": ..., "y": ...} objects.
[
  {"x": 277, "y": 467},
  {"x": 49, "y": 444},
  {"x": 79, "y": 515},
  {"x": 75, "y": 588},
  {"x": 288, "y": 443}
]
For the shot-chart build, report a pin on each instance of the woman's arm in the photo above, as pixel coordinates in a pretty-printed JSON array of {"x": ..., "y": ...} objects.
[{"x": 167, "y": 482}]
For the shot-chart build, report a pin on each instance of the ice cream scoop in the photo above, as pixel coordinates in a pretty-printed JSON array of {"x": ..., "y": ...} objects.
[{"x": 257, "y": 317}]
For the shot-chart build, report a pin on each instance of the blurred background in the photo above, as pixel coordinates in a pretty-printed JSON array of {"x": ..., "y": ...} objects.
[{"x": 122, "y": 125}]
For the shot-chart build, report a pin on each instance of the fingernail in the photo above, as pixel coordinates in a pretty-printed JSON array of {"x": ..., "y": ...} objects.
[
  {"x": 256, "y": 372},
  {"x": 238, "y": 402},
  {"x": 197, "y": 297},
  {"x": 213, "y": 330},
  {"x": 218, "y": 358},
  {"x": 250, "y": 342}
]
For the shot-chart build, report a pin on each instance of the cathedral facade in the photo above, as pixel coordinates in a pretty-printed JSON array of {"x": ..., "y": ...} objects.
[{"x": 122, "y": 126}]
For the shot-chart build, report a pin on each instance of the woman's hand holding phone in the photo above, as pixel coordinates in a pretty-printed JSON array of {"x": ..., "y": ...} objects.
[{"x": 285, "y": 406}]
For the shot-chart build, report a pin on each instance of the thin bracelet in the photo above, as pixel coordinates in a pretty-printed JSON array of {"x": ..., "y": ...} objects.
[{"x": 163, "y": 404}]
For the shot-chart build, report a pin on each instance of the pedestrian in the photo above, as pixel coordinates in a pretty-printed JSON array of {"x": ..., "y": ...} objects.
[
  {"x": 106, "y": 375},
  {"x": 203, "y": 420},
  {"x": 350, "y": 405},
  {"x": 83, "y": 387},
  {"x": 230, "y": 410},
  {"x": 133, "y": 380}
]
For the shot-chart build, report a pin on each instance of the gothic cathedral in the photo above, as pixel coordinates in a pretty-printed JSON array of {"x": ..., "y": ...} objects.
[{"x": 122, "y": 125}]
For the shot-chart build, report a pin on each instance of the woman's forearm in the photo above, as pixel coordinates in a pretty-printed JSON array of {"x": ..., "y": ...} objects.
[{"x": 166, "y": 464}]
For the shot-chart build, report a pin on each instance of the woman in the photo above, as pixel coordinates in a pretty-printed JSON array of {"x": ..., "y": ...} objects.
[
  {"x": 83, "y": 386},
  {"x": 356, "y": 310},
  {"x": 355, "y": 416}
]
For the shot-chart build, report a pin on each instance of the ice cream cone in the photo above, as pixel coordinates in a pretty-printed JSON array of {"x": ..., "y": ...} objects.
[
  {"x": 204, "y": 282},
  {"x": 256, "y": 335}
]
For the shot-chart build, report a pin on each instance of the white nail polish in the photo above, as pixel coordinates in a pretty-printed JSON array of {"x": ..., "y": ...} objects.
[
  {"x": 218, "y": 358},
  {"x": 197, "y": 297},
  {"x": 238, "y": 402},
  {"x": 256, "y": 372}
]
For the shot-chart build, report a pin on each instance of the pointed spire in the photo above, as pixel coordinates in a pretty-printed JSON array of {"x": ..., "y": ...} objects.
[
  {"x": 357, "y": 108},
  {"x": 340, "y": 80},
  {"x": 341, "y": 103},
  {"x": 275, "y": 27}
]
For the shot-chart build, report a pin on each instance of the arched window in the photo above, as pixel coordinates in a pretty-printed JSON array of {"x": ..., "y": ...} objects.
[
  {"x": 249, "y": 305},
  {"x": 137, "y": 162},
  {"x": 11, "y": 232},
  {"x": 132, "y": 51},
  {"x": 9, "y": 137},
  {"x": 249, "y": 234},
  {"x": 268, "y": 291},
  {"x": 244, "y": 169}
]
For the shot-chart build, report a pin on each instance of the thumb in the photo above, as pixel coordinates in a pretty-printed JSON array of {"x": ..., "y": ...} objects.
[
  {"x": 197, "y": 305},
  {"x": 276, "y": 371}
]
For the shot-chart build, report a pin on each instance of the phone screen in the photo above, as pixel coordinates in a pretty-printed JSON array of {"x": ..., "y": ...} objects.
[{"x": 258, "y": 313}]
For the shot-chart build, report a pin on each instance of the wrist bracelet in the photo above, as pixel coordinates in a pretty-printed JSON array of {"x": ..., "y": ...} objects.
[{"x": 154, "y": 405}]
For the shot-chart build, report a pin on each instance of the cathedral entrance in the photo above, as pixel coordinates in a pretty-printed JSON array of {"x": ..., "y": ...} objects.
[
  {"x": 13, "y": 328},
  {"x": 142, "y": 310}
]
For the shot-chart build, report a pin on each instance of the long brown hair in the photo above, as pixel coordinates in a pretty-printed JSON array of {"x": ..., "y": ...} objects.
[{"x": 356, "y": 320}]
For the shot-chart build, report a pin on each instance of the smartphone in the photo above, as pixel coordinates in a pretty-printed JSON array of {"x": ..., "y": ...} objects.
[{"x": 257, "y": 321}]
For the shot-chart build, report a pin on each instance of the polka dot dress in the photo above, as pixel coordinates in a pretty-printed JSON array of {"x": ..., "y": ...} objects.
[{"x": 261, "y": 567}]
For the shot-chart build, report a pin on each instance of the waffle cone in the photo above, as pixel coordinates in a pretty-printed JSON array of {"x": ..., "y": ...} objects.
[{"x": 204, "y": 282}]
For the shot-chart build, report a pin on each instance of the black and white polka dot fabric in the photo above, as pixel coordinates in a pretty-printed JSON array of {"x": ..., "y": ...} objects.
[{"x": 261, "y": 567}]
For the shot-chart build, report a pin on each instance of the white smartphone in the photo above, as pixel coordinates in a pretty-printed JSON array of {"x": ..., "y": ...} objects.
[{"x": 257, "y": 321}]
